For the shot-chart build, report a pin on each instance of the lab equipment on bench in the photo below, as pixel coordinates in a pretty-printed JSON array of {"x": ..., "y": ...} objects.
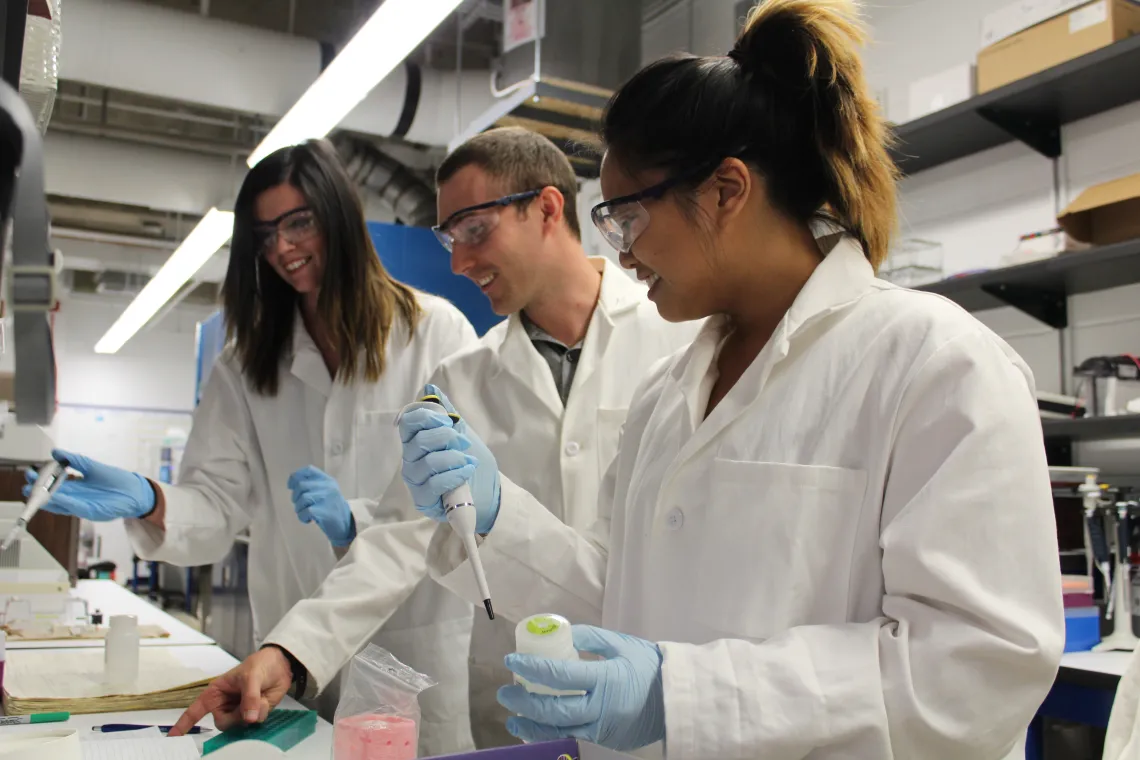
[
  {"x": 29, "y": 573},
  {"x": 459, "y": 507},
  {"x": 1111, "y": 513},
  {"x": 283, "y": 729},
  {"x": 121, "y": 651},
  {"x": 549, "y": 636},
  {"x": 1110, "y": 370},
  {"x": 48, "y": 480}
]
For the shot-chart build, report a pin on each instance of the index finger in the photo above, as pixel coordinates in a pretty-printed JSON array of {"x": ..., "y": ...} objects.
[
  {"x": 193, "y": 714},
  {"x": 416, "y": 420}
]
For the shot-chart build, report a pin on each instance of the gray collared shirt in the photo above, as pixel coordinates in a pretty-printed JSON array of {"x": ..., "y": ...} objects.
[{"x": 563, "y": 359}]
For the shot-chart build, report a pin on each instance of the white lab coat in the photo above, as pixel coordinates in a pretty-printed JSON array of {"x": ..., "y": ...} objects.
[
  {"x": 1122, "y": 739},
  {"x": 506, "y": 392},
  {"x": 242, "y": 449},
  {"x": 852, "y": 556}
]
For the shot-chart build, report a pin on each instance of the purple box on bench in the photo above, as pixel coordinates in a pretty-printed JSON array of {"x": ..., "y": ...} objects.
[{"x": 567, "y": 749}]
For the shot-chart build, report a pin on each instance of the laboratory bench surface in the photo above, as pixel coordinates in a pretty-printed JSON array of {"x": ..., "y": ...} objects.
[
  {"x": 110, "y": 598},
  {"x": 192, "y": 648},
  {"x": 316, "y": 747}
]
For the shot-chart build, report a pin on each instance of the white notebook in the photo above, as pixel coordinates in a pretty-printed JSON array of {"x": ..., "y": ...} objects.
[{"x": 180, "y": 748}]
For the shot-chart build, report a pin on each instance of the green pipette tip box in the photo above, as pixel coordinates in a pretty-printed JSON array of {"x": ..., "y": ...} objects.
[{"x": 284, "y": 729}]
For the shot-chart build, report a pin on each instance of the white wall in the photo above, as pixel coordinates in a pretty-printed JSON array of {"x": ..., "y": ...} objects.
[
  {"x": 118, "y": 408},
  {"x": 979, "y": 206}
]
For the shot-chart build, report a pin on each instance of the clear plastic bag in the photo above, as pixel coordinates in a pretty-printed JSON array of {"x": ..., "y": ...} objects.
[{"x": 378, "y": 715}]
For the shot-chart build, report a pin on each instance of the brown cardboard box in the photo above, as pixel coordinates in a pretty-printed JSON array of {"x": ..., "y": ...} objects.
[
  {"x": 8, "y": 388},
  {"x": 1106, "y": 213},
  {"x": 1063, "y": 38}
]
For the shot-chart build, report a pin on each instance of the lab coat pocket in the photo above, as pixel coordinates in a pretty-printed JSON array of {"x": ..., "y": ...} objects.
[
  {"x": 777, "y": 544},
  {"x": 609, "y": 433},
  {"x": 378, "y": 453}
]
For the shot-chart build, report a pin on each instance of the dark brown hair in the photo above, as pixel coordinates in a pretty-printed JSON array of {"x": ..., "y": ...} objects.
[
  {"x": 522, "y": 160},
  {"x": 359, "y": 300},
  {"x": 790, "y": 100}
]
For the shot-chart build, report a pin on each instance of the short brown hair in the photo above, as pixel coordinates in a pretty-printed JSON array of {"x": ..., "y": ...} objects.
[{"x": 522, "y": 160}]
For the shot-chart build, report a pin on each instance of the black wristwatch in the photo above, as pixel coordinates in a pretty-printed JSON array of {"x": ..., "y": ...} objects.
[{"x": 300, "y": 673}]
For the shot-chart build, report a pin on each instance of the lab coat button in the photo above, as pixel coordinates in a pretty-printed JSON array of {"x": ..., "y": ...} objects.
[
  {"x": 572, "y": 449},
  {"x": 675, "y": 519},
  {"x": 337, "y": 449}
]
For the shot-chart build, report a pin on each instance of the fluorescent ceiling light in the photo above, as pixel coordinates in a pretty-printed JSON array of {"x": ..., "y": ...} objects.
[
  {"x": 394, "y": 31},
  {"x": 386, "y": 39},
  {"x": 202, "y": 243}
]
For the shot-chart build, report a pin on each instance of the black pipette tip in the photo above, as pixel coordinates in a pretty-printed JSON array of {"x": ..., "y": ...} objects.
[{"x": 490, "y": 611}]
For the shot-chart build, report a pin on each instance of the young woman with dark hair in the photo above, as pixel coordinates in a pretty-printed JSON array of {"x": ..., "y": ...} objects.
[
  {"x": 828, "y": 532},
  {"x": 294, "y": 437}
]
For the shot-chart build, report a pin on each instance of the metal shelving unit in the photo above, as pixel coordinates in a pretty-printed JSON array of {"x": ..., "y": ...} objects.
[
  {"x": 1031, "y": 110},
  {"x": 1042, "y": 289}
]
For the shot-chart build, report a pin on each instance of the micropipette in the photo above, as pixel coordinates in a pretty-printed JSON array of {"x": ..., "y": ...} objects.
[
  {"x": 48, "y": 480},
  {"x": 459, "y": 508}
]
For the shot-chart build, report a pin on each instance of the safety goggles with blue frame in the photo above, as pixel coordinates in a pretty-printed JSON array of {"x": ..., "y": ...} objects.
[
  {"x": 622, "y": 220},
  {"x": 473, "y": 224}
]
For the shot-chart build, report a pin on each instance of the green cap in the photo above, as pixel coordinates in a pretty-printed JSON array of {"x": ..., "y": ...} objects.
[
  {"x": 543, "y": 625},
  {"x": 52, "y": 717}
]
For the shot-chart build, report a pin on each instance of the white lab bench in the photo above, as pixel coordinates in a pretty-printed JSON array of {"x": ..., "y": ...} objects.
[
  {"x": 193, "y": 648},
  {"x": 112, "y": 599}
]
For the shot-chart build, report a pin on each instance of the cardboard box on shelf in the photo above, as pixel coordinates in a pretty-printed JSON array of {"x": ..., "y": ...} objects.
[
  {"x": 1061, "y": 38},
  {"x": 1019, "y": 16},
  {"x": 1106, "y": 213},
  {"x": 8, "y": 388},
  {"x": 941, "y": 90}
]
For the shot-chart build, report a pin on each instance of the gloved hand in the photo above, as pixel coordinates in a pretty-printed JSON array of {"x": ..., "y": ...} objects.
[
  {"x": 440, "y": 456},
  {"x": 624, "y": 705},
  {"x": 105, "y": 493},
  {"x": 317, "y": 498}
]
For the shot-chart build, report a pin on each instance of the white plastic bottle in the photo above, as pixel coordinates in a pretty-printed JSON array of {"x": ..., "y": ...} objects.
[
  {"x": 550, "y": 636},
  {"x": 121, "y": 657}
]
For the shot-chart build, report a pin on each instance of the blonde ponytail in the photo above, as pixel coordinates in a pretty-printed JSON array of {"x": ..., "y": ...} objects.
[{"x": 854, "y": 143}]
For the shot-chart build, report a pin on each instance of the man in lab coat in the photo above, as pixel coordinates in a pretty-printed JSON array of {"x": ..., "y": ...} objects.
[{"x": 548, "y": 388}]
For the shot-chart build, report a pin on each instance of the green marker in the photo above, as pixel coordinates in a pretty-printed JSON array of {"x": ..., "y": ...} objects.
[{"x": 23, "y": 720}]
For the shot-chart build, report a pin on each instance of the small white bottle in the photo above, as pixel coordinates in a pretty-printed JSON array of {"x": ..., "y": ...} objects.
[
  {"x": 550, "y": 636},
  {"x": 121, "y": 657}
]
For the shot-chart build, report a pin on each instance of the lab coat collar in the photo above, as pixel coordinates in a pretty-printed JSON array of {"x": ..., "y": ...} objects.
[
  {"x": 518, "y": 356},
  {"x": 308, "y": 365},
  {"x": 843, "y": 277}
]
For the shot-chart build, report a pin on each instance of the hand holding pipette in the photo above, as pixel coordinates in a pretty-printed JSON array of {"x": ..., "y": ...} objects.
[
  {"x": 49, "y": 478},
  {"x": 452, "y": 475}
]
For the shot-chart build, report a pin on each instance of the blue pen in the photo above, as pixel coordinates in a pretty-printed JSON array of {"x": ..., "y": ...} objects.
[{"x": 111, "y": 728}]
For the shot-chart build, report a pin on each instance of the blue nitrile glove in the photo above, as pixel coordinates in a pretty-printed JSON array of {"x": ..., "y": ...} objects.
[
  {"x": 440, "y": 456},
  {"x": 105, "y": 493},
  {"x": 317, "y": 498},
  {"x": 624, "y": 705}
]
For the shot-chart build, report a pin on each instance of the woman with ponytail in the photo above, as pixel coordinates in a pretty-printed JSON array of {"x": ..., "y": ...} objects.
[{"x": 828, "y": 532}]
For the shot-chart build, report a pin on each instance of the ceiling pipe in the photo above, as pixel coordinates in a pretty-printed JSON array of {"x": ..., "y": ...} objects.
[
  {"x": 152, "y": 50},
  {"x": 411, "y": 199}
]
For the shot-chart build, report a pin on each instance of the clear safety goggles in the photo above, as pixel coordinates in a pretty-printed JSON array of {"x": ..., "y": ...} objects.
[
  {"x": 474, "y": 224},
  {"x": 622, "y": 220},
  {"x": 294, "y": 227}
]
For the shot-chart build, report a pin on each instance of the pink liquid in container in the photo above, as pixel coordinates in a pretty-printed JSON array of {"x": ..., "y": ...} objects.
[{"x": 374, "y": 737}]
